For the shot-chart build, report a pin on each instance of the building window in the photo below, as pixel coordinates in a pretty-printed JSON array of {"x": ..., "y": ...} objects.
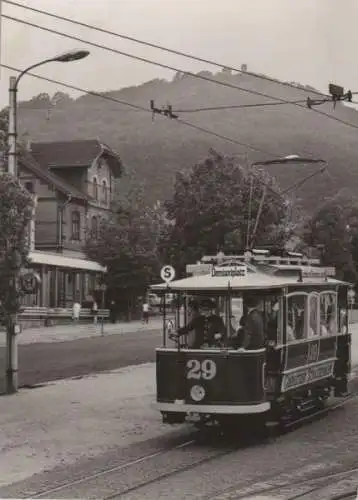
[
  {"x": 29, "y": 186},
  {"x": 94, "y": 227},
  {"x": 105, "y": 191},
  {"x": 95, "y": 188},
  {"x": 76, "y": 225}
]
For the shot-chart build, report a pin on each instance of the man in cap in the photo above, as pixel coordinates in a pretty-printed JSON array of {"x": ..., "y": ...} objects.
[
  {"x": 205, "y": 325},
  {"x": 254, "y": 334}
]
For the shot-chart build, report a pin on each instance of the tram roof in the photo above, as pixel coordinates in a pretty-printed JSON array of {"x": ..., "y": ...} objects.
[{"x": 252, "y": 281}]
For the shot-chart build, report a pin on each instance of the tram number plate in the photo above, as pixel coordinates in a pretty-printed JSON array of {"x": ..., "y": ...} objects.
[
  {"x": 313, "y": 352},
  {"x": 197, "y": 370}
]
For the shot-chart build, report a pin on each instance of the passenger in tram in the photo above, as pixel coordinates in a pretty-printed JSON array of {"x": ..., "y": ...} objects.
[
  {"x": 206, "y": 325},
  {"x": 254, "y": 331},
  {"x": 272, "y": 323}
]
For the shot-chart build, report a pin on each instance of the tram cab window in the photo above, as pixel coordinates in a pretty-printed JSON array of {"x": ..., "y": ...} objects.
[
  {"x": 296, "y": 317},
  {"x": 198, "y": 332},
  {"x": 328, "y": 313}
]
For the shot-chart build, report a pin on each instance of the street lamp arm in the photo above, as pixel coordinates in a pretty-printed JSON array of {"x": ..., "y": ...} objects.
[{"x": 33, "y": 66}]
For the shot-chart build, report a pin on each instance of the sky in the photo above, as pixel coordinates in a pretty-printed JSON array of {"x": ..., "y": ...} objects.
[{"x": 307, "y": 41}]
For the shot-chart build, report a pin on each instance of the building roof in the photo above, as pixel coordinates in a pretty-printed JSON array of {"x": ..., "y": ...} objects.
[
  {"x": 52, "y": 259},
  {"x": 52, "y": 179},
  {"x": 76, "y": 153}
]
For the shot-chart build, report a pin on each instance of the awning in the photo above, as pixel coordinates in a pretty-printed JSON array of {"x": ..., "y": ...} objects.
[{"x": 51, "y": 259}]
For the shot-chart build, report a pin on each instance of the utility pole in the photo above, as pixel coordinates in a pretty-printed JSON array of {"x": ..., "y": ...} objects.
[
  {"x": 12, "y": 327},
  {"x": 12, "y": 132}
]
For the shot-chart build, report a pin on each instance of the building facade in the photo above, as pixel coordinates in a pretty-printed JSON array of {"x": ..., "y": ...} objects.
[{"x": 73, "y": 183}]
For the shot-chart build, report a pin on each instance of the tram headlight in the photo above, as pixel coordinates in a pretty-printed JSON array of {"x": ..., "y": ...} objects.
[{"x": 197, "y": 393}]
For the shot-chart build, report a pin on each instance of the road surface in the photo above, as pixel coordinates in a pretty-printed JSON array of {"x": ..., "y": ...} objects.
[{"x": 44, "y": 362}]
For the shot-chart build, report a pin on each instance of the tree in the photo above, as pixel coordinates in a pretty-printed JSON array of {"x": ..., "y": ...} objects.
[
  {"x": 15, "y": 214},
  {"x": 4, "y": 124},
  {"x": 211, "y": 207},
  {"x": 127, "y": 246},
  {"x": 333, "y": 230}
]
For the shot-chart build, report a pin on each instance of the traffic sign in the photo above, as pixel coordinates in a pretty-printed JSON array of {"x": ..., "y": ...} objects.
[
  {"x": 167, "y": 273},
  {"x": 30, "y": 282}
]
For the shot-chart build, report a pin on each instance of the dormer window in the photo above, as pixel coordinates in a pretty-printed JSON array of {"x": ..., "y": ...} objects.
[
  {"x": 105, "y": 191},
  {"x": 95, "y": 188}
]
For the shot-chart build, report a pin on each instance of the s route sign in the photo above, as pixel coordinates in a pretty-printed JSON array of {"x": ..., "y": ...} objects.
[{"x": 167, "y": 273}]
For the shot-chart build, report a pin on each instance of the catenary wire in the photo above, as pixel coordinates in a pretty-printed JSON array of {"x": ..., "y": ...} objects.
[
  {"x": 142, "y": 108},
  {"x": 236, "y": 106},
  {"x": 161, "y": 47},
  {"x": 140, "y": 58},
  {"x": 183, "y": 122},
  {"x": 172, "y": 68},
  {"x": 170, "y": 51}
]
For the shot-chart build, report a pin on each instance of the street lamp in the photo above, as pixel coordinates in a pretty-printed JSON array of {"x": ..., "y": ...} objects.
[
  {"x": 74, "y": 55},
  {"x": 290, "y": 159},
  {"x": 11, "y": 376}
]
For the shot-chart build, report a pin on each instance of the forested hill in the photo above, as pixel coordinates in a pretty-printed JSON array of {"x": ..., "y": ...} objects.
[{"x": 154, "y": 150}]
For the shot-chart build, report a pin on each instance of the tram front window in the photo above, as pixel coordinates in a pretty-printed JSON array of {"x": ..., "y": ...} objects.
[{"x": 206, "y": 326}]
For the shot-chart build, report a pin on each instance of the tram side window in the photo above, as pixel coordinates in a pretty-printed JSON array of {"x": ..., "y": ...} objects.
[
  {"x": 296, "y": 312},
  {"x": 273, "y": 320},
  {"x": 313, "y": 324},
  {"x": 328, "y": 318},
  {"x": 342, "y": 311}
]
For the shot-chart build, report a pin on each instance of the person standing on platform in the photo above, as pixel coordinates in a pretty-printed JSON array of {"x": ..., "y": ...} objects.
[
  {"x": 95, "y": 311},
  {"x": 76, "y": 310}
]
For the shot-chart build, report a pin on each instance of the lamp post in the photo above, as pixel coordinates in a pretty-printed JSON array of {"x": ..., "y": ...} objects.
[
  {"x": 290, "y": 159},
  {"x": 11, "y": 374},
  {"x": 14, "y": 82}
]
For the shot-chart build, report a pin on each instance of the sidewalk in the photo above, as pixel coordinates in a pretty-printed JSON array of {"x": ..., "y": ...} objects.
[
  {"x": 62, "y": 333},
  {"x": 63, "y": 422}
]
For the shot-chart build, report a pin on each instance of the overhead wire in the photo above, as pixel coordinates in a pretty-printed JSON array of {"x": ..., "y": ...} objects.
[
  {"x": 159, "y": 47},
  {"x": 236, "y": 106},
  {"x": 183, "y": 122},
  {"x": 172, "y": 68},
  {"x": 169, "y": 50},
  {"x": 142, "y": 108}
]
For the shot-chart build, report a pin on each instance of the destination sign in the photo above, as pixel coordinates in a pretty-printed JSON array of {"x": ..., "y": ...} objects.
[
  {"x": 230, "y": 271},
  {"x": 320, "y": 272},
  {"x": 307, "y": 375}
]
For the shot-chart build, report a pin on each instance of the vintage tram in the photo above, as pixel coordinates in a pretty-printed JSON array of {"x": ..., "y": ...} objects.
[{"x": 305, "y": 358}]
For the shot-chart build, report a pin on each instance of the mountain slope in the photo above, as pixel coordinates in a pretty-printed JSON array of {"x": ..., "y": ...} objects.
[{"x": 154, "y": 150}]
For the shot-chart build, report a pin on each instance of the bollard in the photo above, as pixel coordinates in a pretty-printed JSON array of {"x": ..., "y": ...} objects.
[{"x": 102, "y": 326}]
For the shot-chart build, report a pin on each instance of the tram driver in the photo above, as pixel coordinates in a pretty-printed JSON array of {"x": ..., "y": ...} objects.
[
  {"x": 253, "y": 328},
  {"x": 206, "y": 325}
]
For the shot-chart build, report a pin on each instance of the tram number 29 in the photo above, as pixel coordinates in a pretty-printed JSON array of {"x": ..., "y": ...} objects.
[{"x": 197, "y": 370}]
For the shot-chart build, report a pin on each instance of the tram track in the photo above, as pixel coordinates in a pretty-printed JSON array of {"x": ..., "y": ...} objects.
[
  {"x": 148, "y": 461},
  {"x": 190, "y": 456}
]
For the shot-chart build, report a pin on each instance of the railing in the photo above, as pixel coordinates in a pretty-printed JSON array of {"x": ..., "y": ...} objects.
[{"x": 48, "y": 314}]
